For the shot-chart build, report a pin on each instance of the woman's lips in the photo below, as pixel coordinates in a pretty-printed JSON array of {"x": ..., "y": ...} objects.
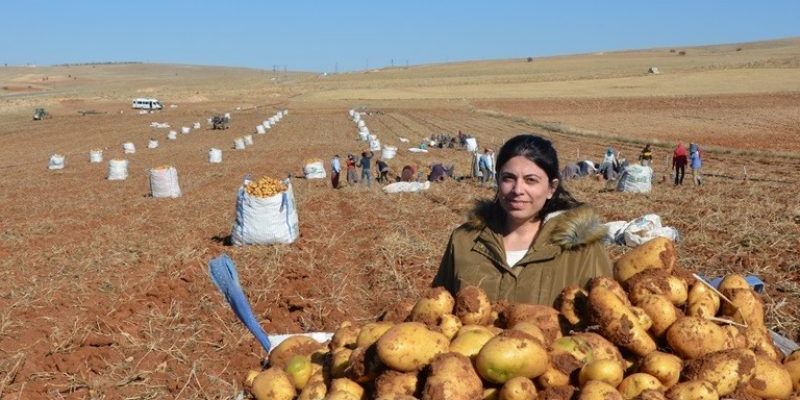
[{"x": 517, "y": 203}]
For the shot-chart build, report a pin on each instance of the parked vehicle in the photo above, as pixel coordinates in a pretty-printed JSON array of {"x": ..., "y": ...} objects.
[{"x": 146, "y": 104}]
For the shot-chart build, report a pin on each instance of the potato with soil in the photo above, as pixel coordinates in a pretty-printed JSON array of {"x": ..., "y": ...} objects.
[
  {"x": 345, "y": 336},
  {"x": 693, "y": 337},
  {"x": 693, "y": 390},
  {"x": 473, "y": 306},
  {"x": 557, "y": 393},
  {"x": 391, "y": 384},
  {"x": 363, "y": 365},
  {"x": 792, "y": 365},
  {"x": 449, "y": 325},
  {"x": 371, "y": 332},
  {"x": 398, "y": 312},
  {"x": 273, "y": 384},
  {"x": 293, "y": 346},
  {"x": 430, "y": 308},
  {"x": 531, "y": 329},
  {"x": 725, "y": 370},
  {"x": 657, "y": 281},
  {"x": 666, "y": 367},
  {"x": 601, "y": 348},
  {"x": 657, "y": 253},
  {"x": 572, "y": 304},
  {"x": 612, "y": 285},
  {"x": 770, "y": 380},
  {"x": 314, "y": 391},
  {"x": 702, "y": 301},
  {"x": 633, "y": 385},
  {"x": 661, "y": 311},
  {"x": 452, "y": 377},
  {"x": 596, "y": 390},
  {"x": 511, "y": 354},
  {"x": 518, "y": 388},
  {"x": 339, "y": 362},
  {"x": 343, "y": 388},
  {"x": 618, "y": 323},
  {"x": 409, "y": 346},
  {"x": 546, "y": 318},
  {"x": 470, "y": 339},
  {"x": 608, "y": 371}
]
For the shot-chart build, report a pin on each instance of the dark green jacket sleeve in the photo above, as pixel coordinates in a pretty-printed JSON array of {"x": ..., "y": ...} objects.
[{"x": 446, "y": 274}]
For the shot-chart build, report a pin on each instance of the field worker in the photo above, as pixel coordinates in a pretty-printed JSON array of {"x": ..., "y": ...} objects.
[
  {"x": 609, "y": 165},
  {"x": 695, "y": 163},
  {"x": 486, "y": 165},
  {"x": 646, "y": 156},
  {"x": 383, "y": 171},
  {"x": 532, "y": 239},
  {"x": 571, "y": 171},
  {"x": 366, "y": 171},
  {"x": 336, "y": 169},
  {"x": 679, "y": 160},
  {"x": 438, "y": 173},
  {"x": 408, "y": 174},
  {"x": 352, "y": 176},
  {"x": 587, "y": 167}
]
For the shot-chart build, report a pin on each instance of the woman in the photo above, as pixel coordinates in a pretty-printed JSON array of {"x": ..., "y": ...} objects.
[
  {"x": 679, "y": 160},
  {"x": 532, "y": 240},
  {"x": 646, "y": 157}
]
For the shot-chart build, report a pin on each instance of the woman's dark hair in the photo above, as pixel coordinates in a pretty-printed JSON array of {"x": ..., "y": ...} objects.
[{"x": 542, "y": 153}]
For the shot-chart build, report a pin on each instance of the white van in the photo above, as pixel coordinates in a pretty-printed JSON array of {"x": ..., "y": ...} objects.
[{"x": 146, "y": 104}]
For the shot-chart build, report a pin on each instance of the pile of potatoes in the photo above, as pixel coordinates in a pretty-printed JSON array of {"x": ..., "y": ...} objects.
[
  {"x": 653, "y": 332},
  {"x": 265, "y": 187}
]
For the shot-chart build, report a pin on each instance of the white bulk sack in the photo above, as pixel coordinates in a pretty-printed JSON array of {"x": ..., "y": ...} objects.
[
  {"x": 405, "y": 187},
  {"x": 352, "y": 113},
  {"x": 172, "y": 135},
  {"x": 635, "y": 179},
  {"x": 248, "y": 140},
  {"x": 388, "y": 152},
  {"x": 472, "y": 144},
  {"x": 374, "y": 145},
  {"x": 361, "y": 123},
  {"x": 645, "y": 228},
  {"x": 117, "y": 170},
  {"x": 228, "y": 116},
  {"x": 56, "y": 162},
  {"x": 314, "y": 170},
  {"x": 196, "y": 125},
  {"x": 265, "y": 220},
  {"x": 238, "y": 144},
  {"x": 215, "y": 156},
  {"x": 364, "y": 129},
  {"x": 95, "y": 156},
  {"x": 363, "y": 135},
  {"x": 185, "y": 130},
  {"x": 285, "y": 112},
  {"x": 152, "y": 144},
  {"x": 128, "y": 148},
  {"x": 260, "y": 129},
  {"x": 272, "y": 120},
  {"x": 279, "y": 114},
  {"x": 164, "y": 182}
]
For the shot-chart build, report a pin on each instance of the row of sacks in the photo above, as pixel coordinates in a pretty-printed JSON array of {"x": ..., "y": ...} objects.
[
  {"x": 163, "y": 179},
  {"x": 387, "y": 152},
  {"x": 58, "y": 161},
  {"x": 271, "y": 121}
]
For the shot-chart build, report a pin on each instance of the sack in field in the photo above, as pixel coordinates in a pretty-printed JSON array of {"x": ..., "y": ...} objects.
[
  {"x": 117, "y": 170},
  {"x": 374, "y": 145},
  {"x": 172, "y": 135},
  {"x": 164, "y": 182},
  {"x": 314, "y": 169},
  {"x": 95, "y": 156},
  {"x": 265, "y": 220},
  {"x": 635, "y": 179},
  {"x": 152, "y": 144},
  {"x": 404, "y": 187},
  {"x": 238, "y": 143},
  {"x": 128, "y": 148},
  {"x": 647, "y": 227},
  {"x": 56, "y": 162},
  {"x": 215, "y": 156}
]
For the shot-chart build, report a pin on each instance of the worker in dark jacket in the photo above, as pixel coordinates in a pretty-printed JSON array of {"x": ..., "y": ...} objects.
[{"x": 532, "y": 240}]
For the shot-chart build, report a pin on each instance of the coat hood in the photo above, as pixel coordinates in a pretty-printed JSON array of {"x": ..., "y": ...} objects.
[{"x": 568, "y": 229}]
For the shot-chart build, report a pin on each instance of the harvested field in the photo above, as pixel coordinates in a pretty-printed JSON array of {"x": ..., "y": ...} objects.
[{"x": 104, "y": 291}]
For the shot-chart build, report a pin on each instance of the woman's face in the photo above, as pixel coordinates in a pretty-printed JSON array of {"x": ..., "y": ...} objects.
[{"x": 523, "y": 188}]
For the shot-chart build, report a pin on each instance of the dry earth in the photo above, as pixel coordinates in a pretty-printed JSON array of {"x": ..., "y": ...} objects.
[{"x": 104, "y": 291}]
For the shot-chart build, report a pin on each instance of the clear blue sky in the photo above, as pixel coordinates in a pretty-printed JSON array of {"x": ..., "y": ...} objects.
[{"x": 318, "y": 35}]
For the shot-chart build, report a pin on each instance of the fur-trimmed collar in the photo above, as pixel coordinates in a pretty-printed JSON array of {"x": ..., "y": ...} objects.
[{"x": 568, "y": 229}]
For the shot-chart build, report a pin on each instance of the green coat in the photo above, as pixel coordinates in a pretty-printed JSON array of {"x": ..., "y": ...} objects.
[{"x": 567, "y": 251}]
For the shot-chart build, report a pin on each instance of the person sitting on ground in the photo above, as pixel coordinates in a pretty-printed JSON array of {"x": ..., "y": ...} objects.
[
  {"x": 438, "y": 173},
  {"x": 408, "y": 174},
  {"x": 587, "y": 167},
  {"x": 571, "y": 171},
  {"x": 531, "y": 239}
]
